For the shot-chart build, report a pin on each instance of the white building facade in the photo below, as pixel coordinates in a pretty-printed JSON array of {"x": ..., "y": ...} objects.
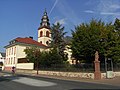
[{"x": 15, "y": 51}]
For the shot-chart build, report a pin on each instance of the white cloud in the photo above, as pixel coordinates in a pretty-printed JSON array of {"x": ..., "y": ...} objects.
[
  {"x": 67, "y": 12},
  {"x": 109, "y": 9},
  {"x": 55, "y": 3},
  {"x": 109, "y": 13},
  {"x": 115, "y": 6},
  {"x": 89, "y": 11},
  {"x": 108, "y": 5},
  {"x": 61, "y": 21}
]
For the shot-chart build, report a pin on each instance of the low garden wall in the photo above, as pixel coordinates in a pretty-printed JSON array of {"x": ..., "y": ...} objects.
[
  {"x": 25, "y": 66},
  {"x": 57, "y": 73},
  {"x": 66, "y": 74}
]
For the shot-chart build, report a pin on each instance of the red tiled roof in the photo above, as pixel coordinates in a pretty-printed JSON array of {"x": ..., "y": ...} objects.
[{"x": 29, "y": 41}]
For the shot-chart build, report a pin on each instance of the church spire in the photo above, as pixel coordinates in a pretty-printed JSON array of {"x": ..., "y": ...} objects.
[
  {"x": 44, "y": 21},
  {"x": 45, "y": 12}
]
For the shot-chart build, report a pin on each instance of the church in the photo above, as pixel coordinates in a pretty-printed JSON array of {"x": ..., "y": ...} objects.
[{"x": 15, "y": 55}]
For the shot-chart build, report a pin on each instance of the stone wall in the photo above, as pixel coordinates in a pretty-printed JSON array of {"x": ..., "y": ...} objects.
[
  {"x": 67, "y": 74},
  {"x": 56, "y": 73}
]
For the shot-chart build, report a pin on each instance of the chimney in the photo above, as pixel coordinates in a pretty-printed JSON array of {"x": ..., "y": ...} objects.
[{"x": 31, "y": 37}]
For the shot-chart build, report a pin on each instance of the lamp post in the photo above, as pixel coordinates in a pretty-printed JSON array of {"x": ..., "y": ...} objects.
[
  {"x": 104, "y": 40},
  {"x": 109, "y": 68},
  {"x": 106, "y": 66},
  {"x": 110, "y": 59},
  {"x": 37, "y": 61}
]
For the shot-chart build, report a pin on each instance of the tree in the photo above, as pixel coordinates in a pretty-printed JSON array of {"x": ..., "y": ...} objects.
[
  {"x": 33, "y": 54},
  {"x": 96, "y": 35},
  {"x": 116, "y": 50},
  {"x": 50, "y": 58},
  {"x": 58, "y": 39},
  {"x": 117, "y": 24}
]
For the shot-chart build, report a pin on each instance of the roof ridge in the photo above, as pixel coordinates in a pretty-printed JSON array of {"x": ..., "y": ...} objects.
[{"x": 28, "y": 40}]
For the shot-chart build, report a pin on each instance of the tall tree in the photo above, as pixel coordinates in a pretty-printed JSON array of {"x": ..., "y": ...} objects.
[
  {"x": 117, "y": 24},
  {"x": 116, "y": 50},
  {"x": 89, "y": 37},
  {"x": 58, "y": 39}
]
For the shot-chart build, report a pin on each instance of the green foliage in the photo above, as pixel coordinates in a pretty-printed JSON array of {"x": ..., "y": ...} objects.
[
  {"x": 56, "y": 54},
  {"x": 44, "y": 58},
  {"x": 117, "y": 24},
  {"x": 33, "y": 54},
  {"x": 50, "y": 58},
  {"x": 58, "y": 42},
  {"x": 96, "y": 35}
]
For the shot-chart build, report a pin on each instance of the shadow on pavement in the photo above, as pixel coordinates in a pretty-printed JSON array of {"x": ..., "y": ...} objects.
[{"x": 8, "y": 77}]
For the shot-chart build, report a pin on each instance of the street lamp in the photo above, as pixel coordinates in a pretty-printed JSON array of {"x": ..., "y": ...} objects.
[
  {"x": 111, "y": 63},
  {"x": 106, "y": 66},
  {"x": 109, "y": 67}
]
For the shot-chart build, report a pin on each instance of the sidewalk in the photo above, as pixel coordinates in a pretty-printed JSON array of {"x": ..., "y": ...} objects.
[{"x": 115, "y": 81}]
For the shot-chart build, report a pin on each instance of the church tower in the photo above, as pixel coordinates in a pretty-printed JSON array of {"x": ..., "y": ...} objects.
[{"x": 44, "y": 31}]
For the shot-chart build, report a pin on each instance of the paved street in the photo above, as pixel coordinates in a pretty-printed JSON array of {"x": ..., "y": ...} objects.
[{"x": 24, "y": 82}]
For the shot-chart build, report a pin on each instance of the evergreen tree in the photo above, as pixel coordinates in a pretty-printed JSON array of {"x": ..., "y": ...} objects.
[
  {"x": 117, "y": 24},
  {"x": 58, "y": 39}
]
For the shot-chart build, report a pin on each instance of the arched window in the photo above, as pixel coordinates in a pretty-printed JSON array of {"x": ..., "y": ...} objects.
[
  {"x": 40, "y": 41},
  {"x": 41, "y": 33},
  {"x": 47, "y": 42},
  {"x": 47, "y": 34}
]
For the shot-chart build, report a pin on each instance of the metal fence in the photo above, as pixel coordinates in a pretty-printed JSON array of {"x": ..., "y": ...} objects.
[
  {"x": 84, "y": 67},
  {"x": 70, "y": 68},
  {"x": 116, "y": 67}
]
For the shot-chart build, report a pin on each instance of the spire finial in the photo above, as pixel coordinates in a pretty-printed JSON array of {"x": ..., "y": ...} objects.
[
  {"x": 45, "y": 9},
  {"x": 45, "y": 12}
]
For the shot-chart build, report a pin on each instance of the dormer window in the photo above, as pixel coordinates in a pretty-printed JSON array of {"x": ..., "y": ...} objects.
[{"x": 11, "y": 42}]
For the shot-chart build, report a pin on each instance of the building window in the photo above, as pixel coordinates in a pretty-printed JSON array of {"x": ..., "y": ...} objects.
[
  {"x": 9, "y": 61},
  {"x": 41, "y": 42},
  {"x": 14, "y": 50},
  {"x": 47, "y": 42},
  {"x": 41, "y": 33},
  {"x": 9, "y": 51},
  {"x": 47, "y": 34},
  {"x": 14, "y": 60}
]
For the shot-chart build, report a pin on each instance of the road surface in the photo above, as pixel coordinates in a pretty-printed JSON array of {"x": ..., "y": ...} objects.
[{"x": 24, "y": 82}]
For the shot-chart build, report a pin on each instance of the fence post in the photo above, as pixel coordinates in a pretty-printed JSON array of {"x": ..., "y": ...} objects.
[{"x": 97, "y": 73}]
